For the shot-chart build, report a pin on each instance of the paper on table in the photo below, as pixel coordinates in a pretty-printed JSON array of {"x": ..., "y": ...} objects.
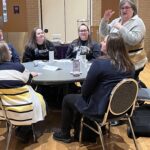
[
  {"x": 63, "y": 60},
  {"x": 51, "y": 68},
  {"x": 39, "y": 73}
]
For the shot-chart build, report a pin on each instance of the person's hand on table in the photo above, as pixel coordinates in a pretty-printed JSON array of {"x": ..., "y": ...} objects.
[{"x": 34, "y": 74}]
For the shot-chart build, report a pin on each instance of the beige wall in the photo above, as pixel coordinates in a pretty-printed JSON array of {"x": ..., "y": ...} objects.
[
  {"x": 75, "y": 9},
  {"x": 53, "y": 17},
  {"x": 18, "y": 39},
  {"x": 60, "y": 17},
  {"x": 96, "y": 12}
]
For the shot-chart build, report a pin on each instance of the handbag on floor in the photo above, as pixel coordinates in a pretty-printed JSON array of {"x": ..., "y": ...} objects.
[{"x": 141, "y": 121}]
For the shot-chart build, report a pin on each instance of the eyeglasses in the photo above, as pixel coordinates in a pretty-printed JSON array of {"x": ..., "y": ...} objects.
[
  {"x": 83, "y": 30},
  {"x": 127, "y": 7}
]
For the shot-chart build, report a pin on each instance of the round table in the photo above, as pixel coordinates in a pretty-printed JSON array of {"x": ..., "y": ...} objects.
[{"x": 62, "y": 74}]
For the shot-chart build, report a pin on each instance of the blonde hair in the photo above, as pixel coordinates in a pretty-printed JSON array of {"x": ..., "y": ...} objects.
[{"x": 4, "y": 52}]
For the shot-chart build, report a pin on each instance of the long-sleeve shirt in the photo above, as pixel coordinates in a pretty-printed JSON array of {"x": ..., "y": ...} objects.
[
  {"x": 133, "y": 32},
  {"x": 41, "y": 52},
  {"x": 74, "y": 47},
  {"x": 15, "y": 57}
]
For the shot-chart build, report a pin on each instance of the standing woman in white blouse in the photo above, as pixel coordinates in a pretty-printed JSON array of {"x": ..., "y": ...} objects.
[{"x": 132, "y": 29}]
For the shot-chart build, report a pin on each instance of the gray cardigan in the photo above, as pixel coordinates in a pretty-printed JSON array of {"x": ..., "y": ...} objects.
[{"x": 133, "y": 32}]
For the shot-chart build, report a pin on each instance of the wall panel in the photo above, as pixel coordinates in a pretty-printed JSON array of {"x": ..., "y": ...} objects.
[
  {"x": 53, "y": 17},
  {"x": 75, "y": 9},
  {"x": 16, "y": 21},
  {"x": 60, "y": 17}
]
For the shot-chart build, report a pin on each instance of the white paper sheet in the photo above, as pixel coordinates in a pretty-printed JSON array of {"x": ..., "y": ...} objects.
[{"x": 51, "y": 68}]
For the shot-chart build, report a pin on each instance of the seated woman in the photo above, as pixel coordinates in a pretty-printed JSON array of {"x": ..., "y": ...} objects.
[
  {"x": 15, "y": 57},
  {"x": 26, "y": 106},
  {"x": 83, "y": 45},
  {"x": 102, "y": 76},
  {"x": 38, "y": 47}
]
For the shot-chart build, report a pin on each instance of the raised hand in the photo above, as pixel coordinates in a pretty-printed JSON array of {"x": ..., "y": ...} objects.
[{"x": 108, "y": 14}]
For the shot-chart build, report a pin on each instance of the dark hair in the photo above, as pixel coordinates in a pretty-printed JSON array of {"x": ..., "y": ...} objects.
[
  {"x": 117, "y": 52},
  {"x": 132, "y": 3},
  {"x": 32, "y": 40},
  {"x": 83, "y": 24},
  {"x": 4, "y": 52},
  {"x": 89, "y": 37}
]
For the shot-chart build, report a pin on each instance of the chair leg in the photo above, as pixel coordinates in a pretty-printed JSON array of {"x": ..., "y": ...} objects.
[
  {"x": 34, "y": 134},
  {"x": 133, "y": 135},
  {"x": 9, "y": 135},
  {"x": 109, "y": 129},
  {"x": 101, "y": 136},
  {"x": 81, "y": 130},
  {"x": 7, "y": 126}
]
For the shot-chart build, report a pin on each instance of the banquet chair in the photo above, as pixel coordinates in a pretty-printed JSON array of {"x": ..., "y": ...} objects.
[
  {"x": 15, "y": 118},
  {"x": 121, "y": 105}
]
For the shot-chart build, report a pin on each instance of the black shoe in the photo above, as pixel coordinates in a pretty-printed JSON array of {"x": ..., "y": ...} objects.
[
  {"x": 85, "y": 138},
  {"x": 61, "y": 136},
  {"x": 129, "y": 133},
  {"x": 104, "y": 130},
  {"x": 24, "y": 133}
]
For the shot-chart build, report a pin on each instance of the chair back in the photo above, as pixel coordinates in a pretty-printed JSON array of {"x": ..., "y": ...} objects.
[
  {"x": 3, "y": 115},
  {"x": 16, "y": 106},
  {"x": 122, "y": 99}
]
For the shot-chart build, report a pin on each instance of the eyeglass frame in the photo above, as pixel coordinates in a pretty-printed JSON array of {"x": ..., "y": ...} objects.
[
  {"x": 83, "y": 31},
  {"x": 126, "y": 8}
]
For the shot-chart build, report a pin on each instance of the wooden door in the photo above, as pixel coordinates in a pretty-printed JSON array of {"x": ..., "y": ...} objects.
[
  {"x": 60, "y": 17},
  {"x": 17, "y": 16},
  {"x": 110, "y": 4}
]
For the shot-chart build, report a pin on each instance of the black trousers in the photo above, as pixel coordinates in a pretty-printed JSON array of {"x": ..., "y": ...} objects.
[
  {"x": 137, "y": 72},
  {"x": 70, "y": 115},
  {"x": 136, "y": 77}
]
